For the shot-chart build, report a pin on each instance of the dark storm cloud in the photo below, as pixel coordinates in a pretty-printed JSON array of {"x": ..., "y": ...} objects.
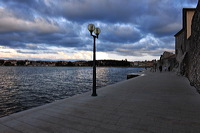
[
  {"x": 120, "y": 33},
  {"x": 87, "y": 10},
  {"x": 26, "y": 9},
  {"x": 18, "y": 40},
  {"x": 125, "y": 24},
  {"x": 105, "y": 10},
  {"x": 159, "y": 17}
]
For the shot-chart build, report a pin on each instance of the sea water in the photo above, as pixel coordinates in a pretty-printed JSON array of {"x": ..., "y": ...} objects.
[{"x": 23, "y": 88}]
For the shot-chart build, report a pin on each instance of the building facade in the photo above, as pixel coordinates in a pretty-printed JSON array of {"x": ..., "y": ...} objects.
[
  {"x": 188, "y": 46},
  {"x": 168, "y": 60},
  {"x": 182, "y": 44}
]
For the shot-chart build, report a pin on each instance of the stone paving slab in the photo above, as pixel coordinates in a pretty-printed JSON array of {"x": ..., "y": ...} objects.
[{"x": 152, "y": 103}]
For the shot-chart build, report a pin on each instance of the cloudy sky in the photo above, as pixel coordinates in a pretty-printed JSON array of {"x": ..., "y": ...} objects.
[{"x": 57, "y": 29}]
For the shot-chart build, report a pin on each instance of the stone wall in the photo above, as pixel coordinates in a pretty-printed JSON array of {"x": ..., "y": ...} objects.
[
  {"x": 180, "y": 50},
  {"x": 193, "y": 58}
]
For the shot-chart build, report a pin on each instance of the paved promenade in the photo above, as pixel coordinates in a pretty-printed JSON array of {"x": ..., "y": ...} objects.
[{"x": 154, "y": 103}]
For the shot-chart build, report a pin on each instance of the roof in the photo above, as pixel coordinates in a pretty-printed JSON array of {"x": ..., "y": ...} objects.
[
  {"x": 170, "y": 57},
  {"x": 184, "y": 10},
  {"x": 178, "y": 33}
]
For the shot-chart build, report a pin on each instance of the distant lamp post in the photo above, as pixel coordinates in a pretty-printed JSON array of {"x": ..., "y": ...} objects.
[{"x": 96, "y": 31}]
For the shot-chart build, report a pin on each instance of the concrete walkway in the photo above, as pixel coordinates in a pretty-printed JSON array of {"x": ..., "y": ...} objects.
[{"x": 154, "y": 103}]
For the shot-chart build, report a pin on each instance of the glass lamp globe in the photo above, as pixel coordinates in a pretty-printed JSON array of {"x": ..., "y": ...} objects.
[
  {"x": 91, "y": 28},
  {"x": 97, "y": 31}
]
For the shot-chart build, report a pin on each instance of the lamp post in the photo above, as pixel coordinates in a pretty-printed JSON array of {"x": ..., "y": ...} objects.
[{"x": 97, "y": 31}]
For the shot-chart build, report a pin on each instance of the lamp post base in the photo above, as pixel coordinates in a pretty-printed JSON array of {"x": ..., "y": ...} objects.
[{"x": 94, "y": 94}]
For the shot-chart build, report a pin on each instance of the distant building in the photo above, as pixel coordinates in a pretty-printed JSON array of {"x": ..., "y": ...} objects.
[
  {"x": 166, "y": 54},
  {"x": 80, "y": 63},
  {"x": 168, "y": 59},
  {"x": 150, "y": 63},
  {"x": 136, "y": 63},
  {"x": 10, "y": 63}
]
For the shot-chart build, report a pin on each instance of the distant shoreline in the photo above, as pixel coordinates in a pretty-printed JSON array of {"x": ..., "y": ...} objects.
[
  {"x": 77, "y": 66},
  {"x": 99, "y": 63}
]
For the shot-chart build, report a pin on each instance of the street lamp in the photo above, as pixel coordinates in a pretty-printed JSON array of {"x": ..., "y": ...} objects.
[{"x": 96, "y": 31}]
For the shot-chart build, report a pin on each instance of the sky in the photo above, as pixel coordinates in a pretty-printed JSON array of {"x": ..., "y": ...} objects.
[{"x": 54, "y": 30}]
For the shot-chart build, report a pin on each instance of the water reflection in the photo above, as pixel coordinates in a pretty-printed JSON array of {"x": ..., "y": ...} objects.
[{"x": 102, "y": 76}]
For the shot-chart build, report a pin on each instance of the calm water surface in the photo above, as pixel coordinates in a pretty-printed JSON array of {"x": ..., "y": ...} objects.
[{"x": 22, "y": 88}]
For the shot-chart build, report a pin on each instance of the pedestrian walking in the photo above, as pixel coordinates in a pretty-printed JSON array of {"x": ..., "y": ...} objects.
[
  {"x": 160, "y": 68},
  {"x": 165, "y": 68},
  {"x": 169, "y": 68}
]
